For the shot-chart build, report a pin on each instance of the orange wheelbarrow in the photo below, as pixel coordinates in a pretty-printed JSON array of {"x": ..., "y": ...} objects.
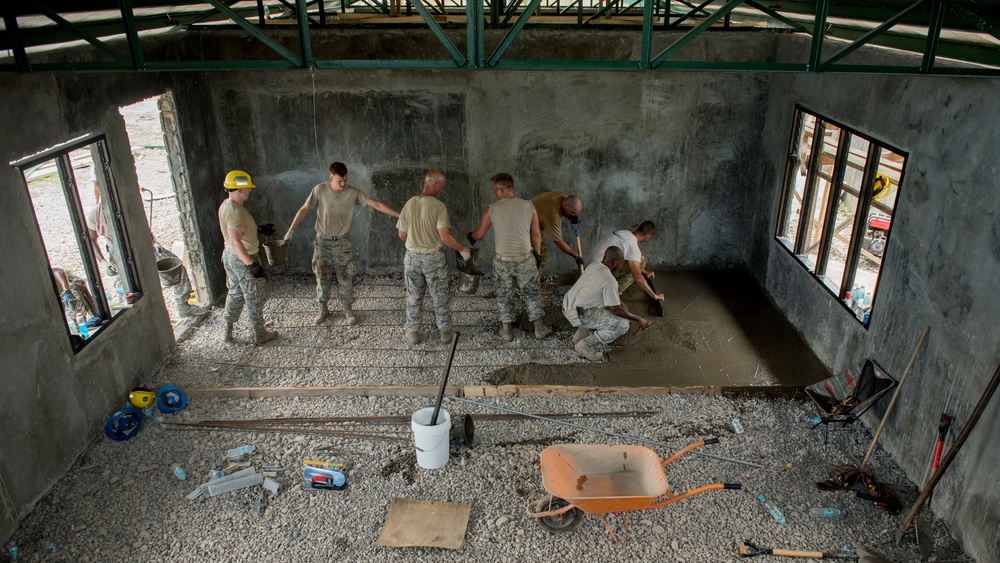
[{"x": 598, "y": 479}]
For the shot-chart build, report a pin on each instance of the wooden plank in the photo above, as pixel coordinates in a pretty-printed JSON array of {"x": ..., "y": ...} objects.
[
  {"x": 581, "y": 391},
  {"x": 343, "y": 391},
  {"x": 424, "y": 523}
]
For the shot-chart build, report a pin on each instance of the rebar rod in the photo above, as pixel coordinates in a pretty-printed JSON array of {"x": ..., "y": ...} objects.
[
  {"x": 405, "y": 418},
  {"x": 325, "y": 432},
  {"x": 599, "y": 431}
]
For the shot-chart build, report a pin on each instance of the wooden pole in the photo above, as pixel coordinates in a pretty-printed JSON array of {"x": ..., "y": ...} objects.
[
  {"x": 892, "y": 403},
  {"x": 984, "y": 401}
]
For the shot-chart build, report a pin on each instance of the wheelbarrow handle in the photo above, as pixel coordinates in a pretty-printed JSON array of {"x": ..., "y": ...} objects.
[{"x": 695, "y": 445}]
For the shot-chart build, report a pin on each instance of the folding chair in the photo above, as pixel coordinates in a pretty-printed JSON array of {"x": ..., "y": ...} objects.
[{"x": 844, "y": 398}]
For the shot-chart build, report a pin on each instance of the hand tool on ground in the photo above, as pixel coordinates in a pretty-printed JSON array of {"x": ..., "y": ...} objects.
[
  {"x": 599, "y": 431},
  {"x": 748, "y": 549},
  {"x": 575, "y": 225},
  {"x": 991, "y": 387},
  {"x": 656, "y": 307}
]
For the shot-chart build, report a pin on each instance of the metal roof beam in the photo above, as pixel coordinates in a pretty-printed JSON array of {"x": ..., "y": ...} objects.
[
  {"x": 509, "y": 37},
  {"x": 456, "y": 55},
  {"x": 59, "y": 20},
  {"x": 868, "y": 37},
  {"x": 933, "y": 36},
  {"x": 695, "y": 32},
  {"x": 253, "y": 31},
  {"x": 981, "y": 54}
]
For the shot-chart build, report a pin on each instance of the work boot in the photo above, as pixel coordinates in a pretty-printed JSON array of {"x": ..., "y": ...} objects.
[
  {"x": 541, "y": 331},
  {"x": 506, "y": 332},
  {"x": 191, "y": 311},
  {"x": 446, "y": 336},
  {"x": 349, "y": 317},
  {"x": 227, "y": 336},
  {"x": 263, "y": 335},
  {"x": 580, "y": 334},
  {"x": 324, "y": 312},
  {"x": 413, "y": 336},
  {"x": 589, "y": 348}
]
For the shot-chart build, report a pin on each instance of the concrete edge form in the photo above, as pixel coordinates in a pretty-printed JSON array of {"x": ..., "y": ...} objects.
[{"x": 478, "y": 391}]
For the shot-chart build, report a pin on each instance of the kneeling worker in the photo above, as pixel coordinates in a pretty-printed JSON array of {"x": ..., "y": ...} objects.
[
  {"x": 633, "y": 268},
  {"x": 593, "y": 306}
]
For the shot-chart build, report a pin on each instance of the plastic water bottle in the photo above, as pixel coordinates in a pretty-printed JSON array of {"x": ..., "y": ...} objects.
[
  {"x": 812, "y": 420},
  {"x": 215, "y": 474},
  {"x": 12, "y": 550},
  {"x": 773, "y": 508},
  {"x": 50, "y": 548},
  {"x": 824, "y": 512},
  {"x": 81, "y": 325},
  {"x": 737, "y": 427},
  {"x": 240, "y": 453},
  {"x": 71, "y": 323},
  {"x": 179, "y": 472}
]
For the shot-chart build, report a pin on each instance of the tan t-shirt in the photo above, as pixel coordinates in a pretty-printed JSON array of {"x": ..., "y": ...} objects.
[
  {"x": 511, "y": 221},
  {"x": 232, "y": 216},
  {"x": 549, "y": 216},
  {"x": 420, "y": 219},
  {"x": 334, "y": 210}
]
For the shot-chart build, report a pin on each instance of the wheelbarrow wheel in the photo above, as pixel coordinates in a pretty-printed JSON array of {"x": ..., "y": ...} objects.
[{"x": 561, "y": 523}]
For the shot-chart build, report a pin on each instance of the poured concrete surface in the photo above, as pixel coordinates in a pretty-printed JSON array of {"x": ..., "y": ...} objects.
[{"x": 718, "y": 328}]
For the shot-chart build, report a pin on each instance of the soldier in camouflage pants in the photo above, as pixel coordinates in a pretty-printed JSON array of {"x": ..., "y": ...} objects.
[
  {"x": 244, "y": 288},
  {"x": 426, "y": 272},
  {"x": 525, "y": 275},
  {"x": 332, "y": 255},
  {"x": 605, "y": 326},
  {"x": 624, "y": 275}
]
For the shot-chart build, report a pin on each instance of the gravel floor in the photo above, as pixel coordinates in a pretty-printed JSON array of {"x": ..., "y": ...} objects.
[{"x": 120, "y": 502}]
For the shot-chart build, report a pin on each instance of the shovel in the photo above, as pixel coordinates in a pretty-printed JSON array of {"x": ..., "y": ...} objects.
[{"x": 748, "y": 549}]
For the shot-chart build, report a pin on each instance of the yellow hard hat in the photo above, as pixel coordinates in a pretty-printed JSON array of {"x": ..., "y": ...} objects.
[
  {"x": 237, "y": 179},
  {"x": 141, "y": 398},
  {"x": 881, "y": 186}
]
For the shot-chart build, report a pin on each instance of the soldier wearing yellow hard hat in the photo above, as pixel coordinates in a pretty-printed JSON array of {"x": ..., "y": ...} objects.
[{"x": 241, "y": 258}]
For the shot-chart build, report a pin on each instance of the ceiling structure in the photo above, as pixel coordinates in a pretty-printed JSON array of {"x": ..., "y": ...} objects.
[{"x": 952, "y": 37}]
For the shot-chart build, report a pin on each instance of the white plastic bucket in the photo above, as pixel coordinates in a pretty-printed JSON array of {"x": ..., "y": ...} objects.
[{"x": 432, "y": 442}]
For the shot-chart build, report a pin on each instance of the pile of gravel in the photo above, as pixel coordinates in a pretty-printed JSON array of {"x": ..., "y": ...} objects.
[{"x": 121, "y": 501}]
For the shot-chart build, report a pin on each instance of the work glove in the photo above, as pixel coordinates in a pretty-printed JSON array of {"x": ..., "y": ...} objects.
[
  {"x": 255, "y": 270},
  {"x": 580, "y": 262},
  {"x": 466, "y": 254},
  {"x": 574, "y": 219},
  {"x": 266, "y": 230},
  {"x": 538, "y": 259},
  {"x": 288, "y": 235},
  {"x": 468, "y": 237}
]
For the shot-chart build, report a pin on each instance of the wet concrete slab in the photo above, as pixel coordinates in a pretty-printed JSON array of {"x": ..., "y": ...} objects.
[{"x": 718, "y": 329}]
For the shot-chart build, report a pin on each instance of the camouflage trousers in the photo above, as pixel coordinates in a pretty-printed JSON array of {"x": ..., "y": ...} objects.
[
  {"x": 333, "y": 257},
  {"x": 624, "y": 275},
  {"x": 607, "y": 326},
  {"x": 426, "y": 273},
  {"x": 181, "y": 291},
  {"x": 525, "y": 275},
  {"x": 243, "y": 288}
]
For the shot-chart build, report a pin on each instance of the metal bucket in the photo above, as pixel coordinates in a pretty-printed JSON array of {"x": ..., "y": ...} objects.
[
  {"x": 277, "y": 254},
  {"x": 468, "y": 283},
  {"x": 463, "y": 431},
  {"x": 170, "y": 270}
]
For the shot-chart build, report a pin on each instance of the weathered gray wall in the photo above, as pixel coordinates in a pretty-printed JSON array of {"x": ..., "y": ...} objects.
[
  {"x": 941, "y": 269},
  {"x": 681, "y": 149},
  {"x": 52, "y": 402}
]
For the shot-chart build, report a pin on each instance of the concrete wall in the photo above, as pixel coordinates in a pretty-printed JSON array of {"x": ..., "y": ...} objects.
[
  {"x": 52, "y": 402},
  {"x": 941, "y": 269},
  {"x": 680, "y": 149}
]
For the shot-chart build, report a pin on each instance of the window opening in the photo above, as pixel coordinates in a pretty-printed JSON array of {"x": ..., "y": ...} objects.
[
  {"x": 79, "y": 220},
  {"x": 837, "y": 208}
]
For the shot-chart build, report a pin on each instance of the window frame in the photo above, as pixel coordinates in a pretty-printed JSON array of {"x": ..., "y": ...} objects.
[
  {"x": 109, "y": 192},
  {"x": 797, "y": 246}
]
